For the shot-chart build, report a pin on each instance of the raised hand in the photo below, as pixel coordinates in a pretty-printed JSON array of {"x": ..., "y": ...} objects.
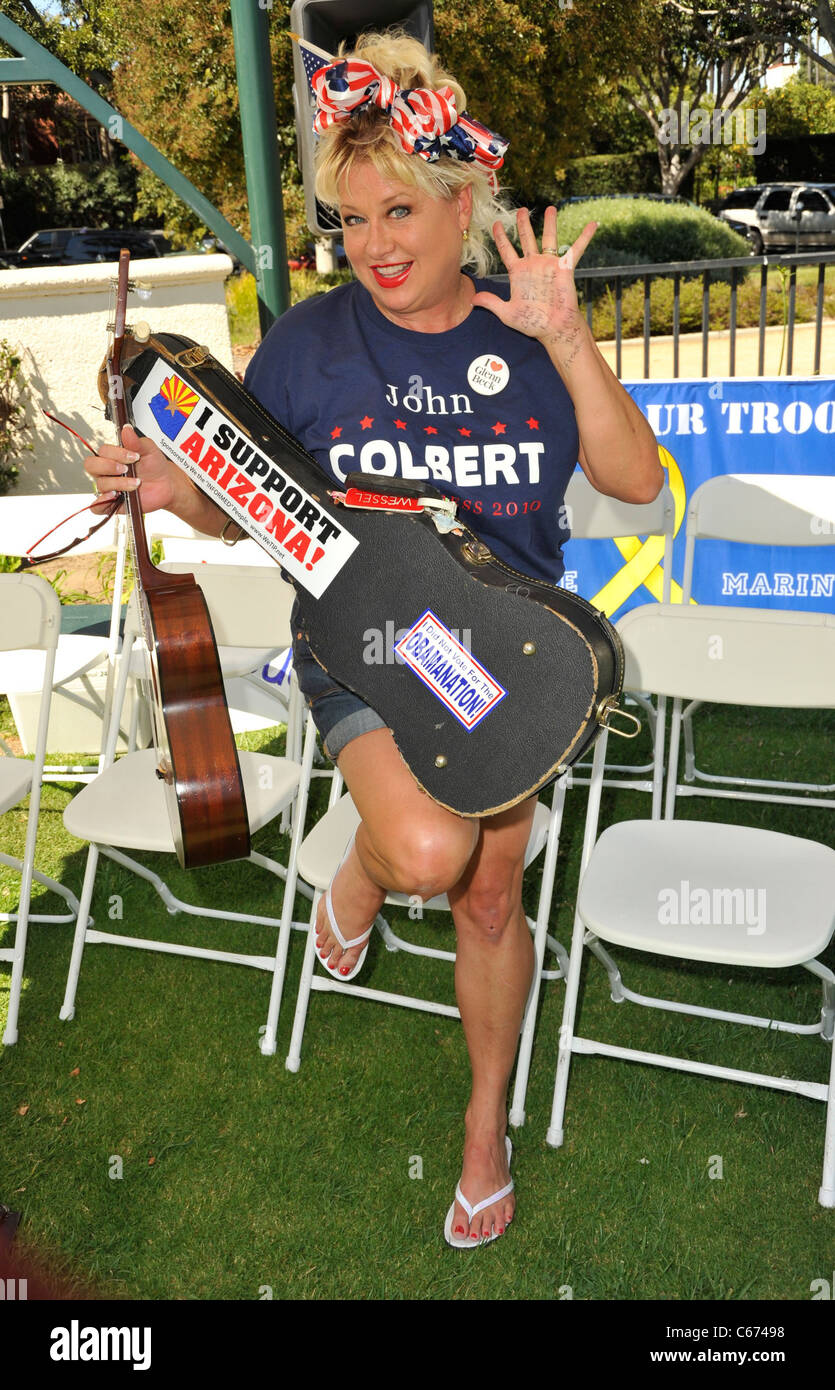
[{"x": 543, "y": 297}]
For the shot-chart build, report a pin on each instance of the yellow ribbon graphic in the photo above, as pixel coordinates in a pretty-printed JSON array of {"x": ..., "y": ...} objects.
[{"x": 643, "y": 557}]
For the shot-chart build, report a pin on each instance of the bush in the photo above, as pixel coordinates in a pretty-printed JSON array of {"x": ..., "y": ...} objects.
[
  {"x": 640, "y": 232},
  {"x": 67, "y": 195},
  {"x": 637, "y": 172},
  {"x": 12, "y": 423},
  {"x": 242, "y": 302}
]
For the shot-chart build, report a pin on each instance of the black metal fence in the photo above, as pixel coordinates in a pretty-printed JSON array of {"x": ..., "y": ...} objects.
[{"x": 737, "y": 269}]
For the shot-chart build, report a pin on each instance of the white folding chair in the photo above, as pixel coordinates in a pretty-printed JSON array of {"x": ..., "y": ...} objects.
[
  {"x": 705, "y": 891},
  {"x": 319, "y": 857},
  {"x": 30, "y": 619},
  {"x": 757, "y": 509},
  {"x": 124, "y": 808},
  {"x": 23, "y": 520},
  {"x": 593, "y": 516}
]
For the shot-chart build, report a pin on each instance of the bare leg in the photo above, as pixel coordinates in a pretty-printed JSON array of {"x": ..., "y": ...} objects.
[
  {"x": 406, "y": 843},
  {"x": 494, "y": 965}
]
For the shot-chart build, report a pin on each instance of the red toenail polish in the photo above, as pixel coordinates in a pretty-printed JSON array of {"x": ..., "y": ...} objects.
[
  {"x": 459, "y": 1230},
  {"x": 473, "y": 1235},
  {"x": 344, "y": 969},
  {"x": 501, "y": 1230}
]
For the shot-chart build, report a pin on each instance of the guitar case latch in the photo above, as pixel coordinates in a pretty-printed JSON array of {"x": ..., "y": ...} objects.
[
  {"x": 193, "y": 357},
  {"x": 476, "y": 552},
  {"x": 608, "y": 709}
]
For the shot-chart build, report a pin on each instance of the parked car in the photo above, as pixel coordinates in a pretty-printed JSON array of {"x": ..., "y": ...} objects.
[
  {"x": 105, "y": 245},
  {"x": 44, "y": 248},
  {"x": 783, "y": 216},
  {"x": 165, "y": 244},
  {"x": 81, "y": 245}
]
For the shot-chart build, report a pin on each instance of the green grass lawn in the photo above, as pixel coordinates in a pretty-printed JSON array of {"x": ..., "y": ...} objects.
[{"x": 237, "y": 1174}]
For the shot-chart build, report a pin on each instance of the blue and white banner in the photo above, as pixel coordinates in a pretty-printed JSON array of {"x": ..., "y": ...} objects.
[{"x": 728, "y": 425}]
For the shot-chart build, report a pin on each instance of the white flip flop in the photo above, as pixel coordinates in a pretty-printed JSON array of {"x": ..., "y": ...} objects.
[
  {"x": 467, "y": 1242},
  {"x": 364, "y": 936}
]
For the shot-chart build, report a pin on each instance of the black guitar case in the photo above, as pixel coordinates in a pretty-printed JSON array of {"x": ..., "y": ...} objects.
[{"x": 504, "y": 680}]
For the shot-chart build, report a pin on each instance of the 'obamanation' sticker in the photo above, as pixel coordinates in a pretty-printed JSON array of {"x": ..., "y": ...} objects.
[{"x": 451, "y": 672}]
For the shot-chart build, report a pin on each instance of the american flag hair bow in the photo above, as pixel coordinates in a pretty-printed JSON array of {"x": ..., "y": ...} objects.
[{"x": 426, "y": 122}]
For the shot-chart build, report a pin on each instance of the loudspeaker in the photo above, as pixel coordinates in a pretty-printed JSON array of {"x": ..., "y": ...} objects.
[{"x": 326, "y": 23}]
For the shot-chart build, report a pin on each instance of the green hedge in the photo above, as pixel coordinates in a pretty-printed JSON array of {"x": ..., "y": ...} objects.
[
  {"x": 641, "y": 232},
  {"x": 67, "y": 195},
  {"x": 636, "y": 172}
]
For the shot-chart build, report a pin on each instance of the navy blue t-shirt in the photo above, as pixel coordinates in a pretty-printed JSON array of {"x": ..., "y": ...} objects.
[{"x": 479, "y": 411}]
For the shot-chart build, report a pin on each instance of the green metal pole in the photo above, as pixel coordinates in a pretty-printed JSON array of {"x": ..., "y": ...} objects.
[{"x": 250, "y": 28}]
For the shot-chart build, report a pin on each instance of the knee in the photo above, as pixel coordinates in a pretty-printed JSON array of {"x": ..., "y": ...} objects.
[
  {"x": 429, "y": 859},
  {"x": 488, "y": 908}
]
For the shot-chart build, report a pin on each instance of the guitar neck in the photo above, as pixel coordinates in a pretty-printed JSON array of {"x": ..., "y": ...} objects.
[{"x": 146, "y": 571}]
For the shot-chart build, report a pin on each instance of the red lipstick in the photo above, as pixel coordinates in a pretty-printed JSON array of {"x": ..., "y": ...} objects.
[{"x": 390, "y": 281}]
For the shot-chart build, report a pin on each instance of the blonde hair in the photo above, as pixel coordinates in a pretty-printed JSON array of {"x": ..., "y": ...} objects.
[{"x": 369, "y": 136}]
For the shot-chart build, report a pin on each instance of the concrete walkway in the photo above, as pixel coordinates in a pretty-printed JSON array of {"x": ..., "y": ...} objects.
[{"x": 747, "y": 341}]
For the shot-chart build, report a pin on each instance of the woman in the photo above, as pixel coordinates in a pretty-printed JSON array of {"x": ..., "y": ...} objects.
[{"x": 420, "y": 369}]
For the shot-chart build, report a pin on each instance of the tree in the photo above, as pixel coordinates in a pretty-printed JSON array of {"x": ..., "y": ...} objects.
[
  {"x": 530, "y": 68},
  {"x": 169, "y": 68},
  {"x": 821, "y": 15},
  {"x": 540, "y": 72},
  {"x": 88, "y": 35},
  {"x": 798, "y": 108},
  {"x": 84, "y": 36},
  {"x": 178, "y": 85},
  {"x": 707, "y": 59}
]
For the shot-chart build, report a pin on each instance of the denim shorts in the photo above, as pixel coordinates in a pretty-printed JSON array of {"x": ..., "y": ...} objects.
[{"x": 338, "y": 713}]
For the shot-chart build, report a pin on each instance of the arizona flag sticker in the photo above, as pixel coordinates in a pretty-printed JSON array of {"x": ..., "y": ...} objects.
[{"x": 172, "y": 405}]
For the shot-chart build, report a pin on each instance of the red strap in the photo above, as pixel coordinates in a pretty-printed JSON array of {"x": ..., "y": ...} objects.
[
  {"x": 27, "y": 562},
  {"x": 355, "y": 497}
]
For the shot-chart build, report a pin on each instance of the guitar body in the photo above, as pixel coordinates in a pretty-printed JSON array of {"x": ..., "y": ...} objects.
[
  {"x": 500, "y": 681},
  {"x": 198, "y": 758}
]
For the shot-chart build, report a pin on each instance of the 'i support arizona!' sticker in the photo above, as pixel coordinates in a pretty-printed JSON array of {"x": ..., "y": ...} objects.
[
  {"x": 300, "y": 533},
  {"x": 488, "y": 375}
]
